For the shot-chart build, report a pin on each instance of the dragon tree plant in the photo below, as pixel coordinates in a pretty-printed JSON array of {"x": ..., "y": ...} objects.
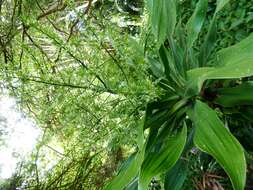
[{"x": 202, "y": 89}]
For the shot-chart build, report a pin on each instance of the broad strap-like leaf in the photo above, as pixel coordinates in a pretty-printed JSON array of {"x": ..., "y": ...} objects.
[
  {"x": 131, "y": 167},
  {"x": 163, "y": 18},
  {"x": 196, "y": 21},
  {"x": 212, "y": 137},
  {"x": 156, "y": 67},
  {"x": 239, "y": 95},
  {"x": 196, "y": 77},
  {"x": 171, "y": 71},
  {"x": 133, "y": 185},
  {"x": 243, "y": 68},
  {"x": 127, "y": 173},
  {"x": 236, "y": 53},
  {"x": 158, "y": 161},
  {"x": 175, "y": 178}
]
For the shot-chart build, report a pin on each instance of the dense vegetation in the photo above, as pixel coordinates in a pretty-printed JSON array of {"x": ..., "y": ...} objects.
[{"x": 132, "y": 94}]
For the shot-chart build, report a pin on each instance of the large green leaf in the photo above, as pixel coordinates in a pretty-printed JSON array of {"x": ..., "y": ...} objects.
[
  {"x": 163, "y": 18},
  {"x": 127, "y": 173},
  {"x": 158, "y": 161},
  {"x": 243, "y": 68},
  {"x": 237, "y": 53},
  {"x": 196, "y": 77},
  {"x": 175, "y": 178},
  {"x": 133, "y": 185},
  {"x": 131, "y": 167},
  {"x": 172, "y": 72},
  {"x": 212, "y": 137},
  {"x": 196, "y": 21},
  {"x": 239, "y": 95}
]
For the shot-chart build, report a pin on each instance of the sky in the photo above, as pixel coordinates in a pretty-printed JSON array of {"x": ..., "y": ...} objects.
[{"x": 19, "y": 133}]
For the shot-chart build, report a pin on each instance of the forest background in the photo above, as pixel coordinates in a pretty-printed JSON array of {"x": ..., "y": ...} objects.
[{"x": 79, "y": 69}]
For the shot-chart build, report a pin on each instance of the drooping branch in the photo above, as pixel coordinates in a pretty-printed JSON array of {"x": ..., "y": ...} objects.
[{"x": 95, "y": 88}]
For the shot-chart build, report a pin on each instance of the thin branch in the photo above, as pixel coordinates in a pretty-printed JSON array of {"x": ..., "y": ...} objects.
[
  {"x": 51, "y": 10},
  {"x": 96, "y": 88},
  {"x": 37, "y": 46},
  {"x": 22, "y": 49},
  {"x": 36, "y": 170},
  {"x": 77, "y": 59},
  {"x": 87, "y": 9},
  {"x": 51, "y": 148},
  {"x": 112, "y": 57}
]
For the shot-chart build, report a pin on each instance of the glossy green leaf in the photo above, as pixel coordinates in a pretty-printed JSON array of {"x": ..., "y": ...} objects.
[
  {"x": 175, "y": 178},
  {"x": 133, "y": 185},
  {"x": 158, "y": 161},
  {"x": 171, "y": 69},
  {"x": 212, "y": 137},
  {"x": 196, "y": 21},
  {"x": 236, "y": 53},
  {"x": 243, "y": 68},
  {"x": 130, "y": 167},
  {"x": 239, "y": 95},
  {"x": 127, "y": 173},
  {"x": 163, "y": 18},
  {"x": 196, "y": 77}
]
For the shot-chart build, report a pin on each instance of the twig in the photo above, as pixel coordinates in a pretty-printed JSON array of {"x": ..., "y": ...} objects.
[
  {"x": 51, "y": 10},
  {"x": 97, "y": 89},
  {"x": 77, "y": 20}
]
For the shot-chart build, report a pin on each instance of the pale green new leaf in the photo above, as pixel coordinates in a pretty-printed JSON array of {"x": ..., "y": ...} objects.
[
  {"x": 212, "y": 137},
  {"x": 196, "y": 21},
  {"x": 163, "y": 160}
]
